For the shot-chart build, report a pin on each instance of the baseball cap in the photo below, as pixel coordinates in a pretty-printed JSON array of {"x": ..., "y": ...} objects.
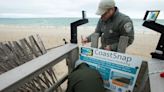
[{"x": 104, "y": 5}]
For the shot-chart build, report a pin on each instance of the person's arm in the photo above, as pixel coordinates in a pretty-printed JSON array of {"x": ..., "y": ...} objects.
[
  {"x": 71, "y": 82},
  {"x": 127, "y": 29},
  {"x": 97, "y": 30}
]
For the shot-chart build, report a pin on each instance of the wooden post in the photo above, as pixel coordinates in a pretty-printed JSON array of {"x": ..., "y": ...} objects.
[
  {"x": 142, "y": 83},
  {"x": 72, "y": 57}
]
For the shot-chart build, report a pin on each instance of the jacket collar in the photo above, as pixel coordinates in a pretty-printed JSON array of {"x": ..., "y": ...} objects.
[{"x": 115, "y": 14}]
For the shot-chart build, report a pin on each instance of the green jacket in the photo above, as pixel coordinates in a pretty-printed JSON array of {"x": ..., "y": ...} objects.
[
  {"x": 111, "y": 30},
  {"x": 85, "y": 79}
]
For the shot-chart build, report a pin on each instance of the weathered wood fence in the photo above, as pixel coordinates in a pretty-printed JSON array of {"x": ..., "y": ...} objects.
[
  {"x": 23, "y": 67},
  {"x": 16, "y": 53}
]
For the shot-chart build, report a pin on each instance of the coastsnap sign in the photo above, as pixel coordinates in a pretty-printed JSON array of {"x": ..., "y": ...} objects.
[
  {"x": 119, "y": 71},
  {"x": 113, "y": 56}
]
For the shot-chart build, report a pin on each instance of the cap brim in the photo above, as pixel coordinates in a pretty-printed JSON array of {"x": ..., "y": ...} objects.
[{"x": 100, "y": 12}]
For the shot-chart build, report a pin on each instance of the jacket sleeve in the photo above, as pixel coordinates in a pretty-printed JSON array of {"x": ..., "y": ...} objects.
[
  {"x": 69, "y": 87},
  {"x": 127, "y": 29},
  {"x": 97, "y": 30},
  {"x": 114, "y": 46},
  {"x": 73, "y": 81}
]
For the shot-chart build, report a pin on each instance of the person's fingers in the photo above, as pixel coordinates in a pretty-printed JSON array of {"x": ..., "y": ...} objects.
[
  {"x": 82, "y": 40},
  {"x": 108, "y": 48}
]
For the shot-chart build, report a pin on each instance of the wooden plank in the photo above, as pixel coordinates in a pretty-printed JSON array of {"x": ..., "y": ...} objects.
[
  {"x": 52, "y": 75},
  {"x": 3, "y": 68},
  {"x": 19, "y": 52},
  {"x": 25, "y": 56},
  {"x": 7, "y": 51},
  {"x": 10, "y": 61},
  {"x": 35, "y": 46},
  {"x": 142, "y": 83},
  {"x": 53, "y": 78},
  {"x": 18, "y": 48},
  {"x": 39, "y": 84},
  {"x": 3, "y": 57},
  {"x": 11, "y": 54},
  {"x": 44, "y": 79},
  {"x": 73, "y": 56},
  {"x": 34, "y": 86},
  {"x": 26, "y": 51},
  {"x": 27, "y": 71},
  {"x": 30, "y": 48},
  {"x": 41, "y": 45}
]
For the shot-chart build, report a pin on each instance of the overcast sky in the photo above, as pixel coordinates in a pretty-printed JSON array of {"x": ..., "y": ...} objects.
[{"x": 73, "y": 8}]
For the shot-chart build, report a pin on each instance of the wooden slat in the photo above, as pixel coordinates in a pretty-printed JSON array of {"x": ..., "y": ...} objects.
[
  {"x": 22, "y": 52},
  {"x": 30, "y": 48},
  {"x": 26, "y": 51},
  {"x": 142, "y": 83},
  {"x": 9, "y": 62},
  {"x": 13, "y": 57},
  {"x": 52, "y": 75},
  {"x": 41, "y": 45},
  {"x": 3, "y": 57},
  {"x": 18, "y": 50},
  {"x": 35, "y": 46},
  {"x": 27, "y": 71}
]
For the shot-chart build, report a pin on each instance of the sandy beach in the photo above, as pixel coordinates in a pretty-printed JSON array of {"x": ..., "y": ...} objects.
[{"x": 144, "y": 43}]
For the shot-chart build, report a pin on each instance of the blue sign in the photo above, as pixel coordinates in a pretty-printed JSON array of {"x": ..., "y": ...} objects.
[{"x": 119, "y": 71}]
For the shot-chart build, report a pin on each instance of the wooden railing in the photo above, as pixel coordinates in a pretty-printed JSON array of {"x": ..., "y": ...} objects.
[{"x": 34, "y": 72}]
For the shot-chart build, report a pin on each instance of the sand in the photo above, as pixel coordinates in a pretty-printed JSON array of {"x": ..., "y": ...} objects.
[{"x": 144, "y": 43}]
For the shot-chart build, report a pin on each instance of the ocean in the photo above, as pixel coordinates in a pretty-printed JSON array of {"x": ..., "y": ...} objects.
[{"x": 61, "y": 22}]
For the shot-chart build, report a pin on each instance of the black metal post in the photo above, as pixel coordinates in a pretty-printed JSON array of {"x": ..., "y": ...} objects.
[{"x": 74, "y": 26}]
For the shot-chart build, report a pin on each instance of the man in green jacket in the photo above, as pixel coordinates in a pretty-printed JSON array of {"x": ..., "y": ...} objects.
[
  {"x": 111, "y": 26},
  {"x": 85, "y": 79}
]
